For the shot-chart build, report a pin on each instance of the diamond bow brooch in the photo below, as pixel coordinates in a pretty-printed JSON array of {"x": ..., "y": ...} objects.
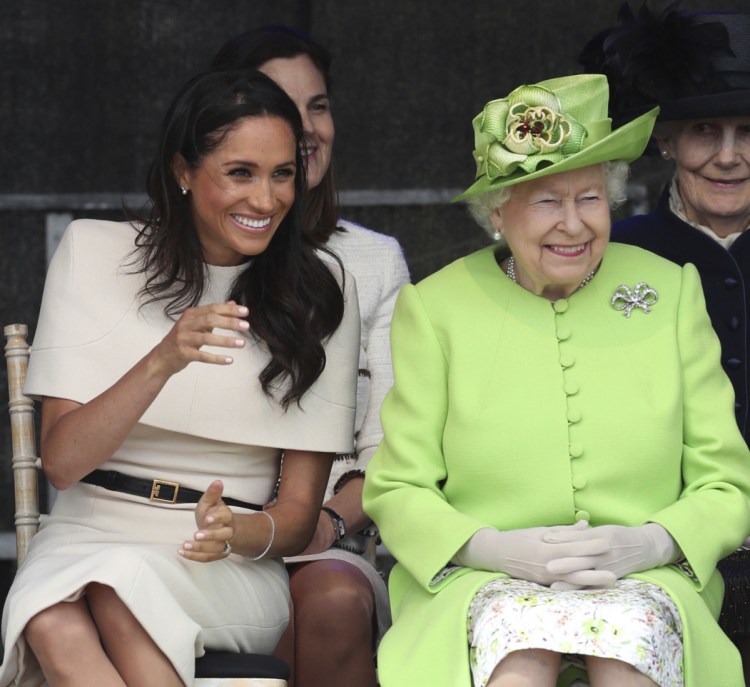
[{"x": 641, "y": 296}]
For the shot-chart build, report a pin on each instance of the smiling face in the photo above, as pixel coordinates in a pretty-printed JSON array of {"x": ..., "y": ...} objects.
[
  {"x": 304, "y": 84},
  {"x": 713, "y": 170},
  {"x": 242, "y": 189},
  {"x": 557, "y": 228}
]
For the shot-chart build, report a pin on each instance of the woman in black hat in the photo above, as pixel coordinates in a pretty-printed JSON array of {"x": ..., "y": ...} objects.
[{"x": 696, "y": 67}]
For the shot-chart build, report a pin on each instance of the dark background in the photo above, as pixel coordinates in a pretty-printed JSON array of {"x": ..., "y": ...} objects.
[{"x": 84, "y": 83}]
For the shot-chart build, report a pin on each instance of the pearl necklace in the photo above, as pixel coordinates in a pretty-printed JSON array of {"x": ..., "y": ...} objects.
[{"x": 510, "y": 270}]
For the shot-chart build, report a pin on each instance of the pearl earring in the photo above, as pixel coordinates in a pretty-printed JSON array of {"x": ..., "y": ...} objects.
[
  {"x": 665, "y": 154},
  {"x": 184, "y": 190},
  {"x": 497, "y": 235}
]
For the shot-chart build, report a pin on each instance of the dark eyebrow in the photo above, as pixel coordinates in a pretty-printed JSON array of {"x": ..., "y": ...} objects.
[{"x": 247, "y": 163}]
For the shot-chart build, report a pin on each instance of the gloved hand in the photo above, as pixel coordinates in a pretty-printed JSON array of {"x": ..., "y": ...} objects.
[
  {"x": 628, "y": 550},
  {"x": 525, "y": 553}
]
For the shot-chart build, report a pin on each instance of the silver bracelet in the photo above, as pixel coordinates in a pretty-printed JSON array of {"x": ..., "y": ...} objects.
[{"x": 270, "y": 541}]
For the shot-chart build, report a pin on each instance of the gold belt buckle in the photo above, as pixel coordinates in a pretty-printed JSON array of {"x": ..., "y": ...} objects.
[{"x": 156, "y": 486}]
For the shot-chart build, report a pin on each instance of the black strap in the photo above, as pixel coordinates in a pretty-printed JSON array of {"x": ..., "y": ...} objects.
[{"x": 155, "y": 490}]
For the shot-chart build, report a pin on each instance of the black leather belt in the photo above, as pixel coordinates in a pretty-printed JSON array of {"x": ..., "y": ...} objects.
[{"x": 156, "y": 490}]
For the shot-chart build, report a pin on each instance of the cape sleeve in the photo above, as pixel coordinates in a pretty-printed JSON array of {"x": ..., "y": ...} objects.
[{"x": 92, "y": 329}]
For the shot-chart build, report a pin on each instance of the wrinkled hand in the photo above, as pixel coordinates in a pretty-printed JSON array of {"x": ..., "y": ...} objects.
[
  {"x": 628, "y": 550},
  {"x": 195, "y": 329},
  {"x": 215, "y": 527},
  {"x": 525, "y": 553}
]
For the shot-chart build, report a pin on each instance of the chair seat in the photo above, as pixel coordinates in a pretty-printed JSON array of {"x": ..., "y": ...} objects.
[{"x": 225, "y": 664}]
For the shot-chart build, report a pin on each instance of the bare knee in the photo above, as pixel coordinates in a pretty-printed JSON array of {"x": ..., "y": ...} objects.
[
  {"x": 53, "y": 625},
  {"x": 609, "y": 672},
  {"x": 57, "y": 633},
  {"x": 527, "y": 668},
  {"x": 333, "y": 596}
]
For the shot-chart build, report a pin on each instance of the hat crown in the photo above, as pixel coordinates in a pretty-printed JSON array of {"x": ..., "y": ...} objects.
[
  {"x": 691, "y": 64},
  {"x": 583, "y": 96}
]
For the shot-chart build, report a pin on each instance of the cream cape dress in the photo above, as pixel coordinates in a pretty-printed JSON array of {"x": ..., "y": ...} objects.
[{"x": 209, "y": 422}]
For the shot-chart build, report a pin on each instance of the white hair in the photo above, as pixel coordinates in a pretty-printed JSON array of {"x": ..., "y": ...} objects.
[{"x": 481, "y": 207}]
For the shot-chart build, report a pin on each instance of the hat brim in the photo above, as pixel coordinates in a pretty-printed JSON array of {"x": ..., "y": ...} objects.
[
  {"x": 626, "y": 143},
  {"x": 727, "y": 104}
]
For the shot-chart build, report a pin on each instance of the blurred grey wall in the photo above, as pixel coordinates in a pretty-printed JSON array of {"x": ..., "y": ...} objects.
[{"x": 84, "y": 83}]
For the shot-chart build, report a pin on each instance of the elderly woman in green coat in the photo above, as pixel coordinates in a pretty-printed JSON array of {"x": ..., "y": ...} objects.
[{"x": 561, "y": 469}]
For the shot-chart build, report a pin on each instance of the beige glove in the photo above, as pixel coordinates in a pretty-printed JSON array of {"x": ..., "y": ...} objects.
[
  {"x": 628, "y": 550},
  {"x": 525, "y": 553}
]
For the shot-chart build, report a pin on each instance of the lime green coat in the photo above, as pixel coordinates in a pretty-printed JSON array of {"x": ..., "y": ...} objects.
[{"x": 511, "y": 411}]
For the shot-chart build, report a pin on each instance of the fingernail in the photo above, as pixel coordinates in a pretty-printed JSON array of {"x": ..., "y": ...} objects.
[
  {"x": 187, "y": 546},
  {"x": 210, "y": 519},
  {"x": 180, "y": 552},
  {"x": 228, "y": 360},
  {"x": 244, "y": 324},
  {"x": 239, "y": 343},
  {"x": 244, "y": 310},
  {"x": 200, "y": 535}
]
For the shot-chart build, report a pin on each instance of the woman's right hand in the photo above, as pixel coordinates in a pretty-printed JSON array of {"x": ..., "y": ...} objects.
[
  {"x": 78, "y": 438},
  {"x": 195, "y": 329}
]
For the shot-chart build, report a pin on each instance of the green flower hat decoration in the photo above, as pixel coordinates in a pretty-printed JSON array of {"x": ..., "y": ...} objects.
[
  {"x": 550, "y": 127},
  {"x": 524, "y": 130}
]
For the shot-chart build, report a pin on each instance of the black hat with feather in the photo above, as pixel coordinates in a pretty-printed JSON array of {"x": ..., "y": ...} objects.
[{"x": 693, "y": 65}]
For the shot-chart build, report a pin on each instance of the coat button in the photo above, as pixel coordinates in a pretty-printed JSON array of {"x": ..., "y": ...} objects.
[
  {"x": 561, "y": 305},
  {"x": 734, "y": 322},
  {"x": 575, "y": 450},
  {"x": 730, "y": 282},
  {"x": 733, "y": 363},
  {"x": 582, "y": 515},
  {"x": 567, "y": 360},
  {"x": 570, "y": 388},
  {"x": 579, "y": 482},
  {"x": 563, "y": 333},
  {"x": 574, "y": 415}
]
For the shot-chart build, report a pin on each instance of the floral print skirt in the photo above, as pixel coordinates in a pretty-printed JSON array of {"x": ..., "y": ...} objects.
[{"x": 634, "y": 621}]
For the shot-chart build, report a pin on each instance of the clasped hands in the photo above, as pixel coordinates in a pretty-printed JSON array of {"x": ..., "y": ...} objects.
[{"x": 570, "y": 556}]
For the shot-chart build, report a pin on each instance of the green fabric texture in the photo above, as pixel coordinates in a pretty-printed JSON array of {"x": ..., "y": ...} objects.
[{"x": 510, "y": 411}]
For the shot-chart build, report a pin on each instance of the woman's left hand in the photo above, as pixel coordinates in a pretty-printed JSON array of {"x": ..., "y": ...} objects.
[
  {"x": 629, "y": 550},
  {"x": 324, "y": 537},
  {"x": 215, "y": 527}
]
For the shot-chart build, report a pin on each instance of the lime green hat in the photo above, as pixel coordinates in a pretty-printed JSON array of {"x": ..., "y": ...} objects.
[{"x": 550, "y": 127}]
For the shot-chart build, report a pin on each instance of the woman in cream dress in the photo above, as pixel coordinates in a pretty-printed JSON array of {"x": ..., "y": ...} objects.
[{"x": 191, "y": 349}]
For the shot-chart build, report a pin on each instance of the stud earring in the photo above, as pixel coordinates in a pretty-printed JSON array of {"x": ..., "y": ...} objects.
[
  {"x": 665, "y": 154},
  {"x": 184, "y": 190}
]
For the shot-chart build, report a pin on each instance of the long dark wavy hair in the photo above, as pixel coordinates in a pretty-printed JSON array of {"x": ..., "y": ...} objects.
[
  {"x": 294, "y": 300},
  {"x": 251, "y": 50}
]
